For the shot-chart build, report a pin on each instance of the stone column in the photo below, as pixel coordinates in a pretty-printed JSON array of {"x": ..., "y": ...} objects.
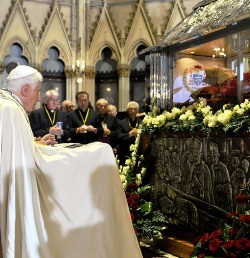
[
  {"x": 71, "y": 86},
  {"x": 2, "y": 67},
  {"x": 124, "y": 71},
  {"x": 89, "y": 85}
]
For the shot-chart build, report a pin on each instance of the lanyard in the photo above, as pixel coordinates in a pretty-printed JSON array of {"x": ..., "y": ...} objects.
[
  {"x": 104, "y": 119},
  {"x": 86, "y": 117},
  {"x": 54, "y": 118},
  {"x": 135, "y": 124}
]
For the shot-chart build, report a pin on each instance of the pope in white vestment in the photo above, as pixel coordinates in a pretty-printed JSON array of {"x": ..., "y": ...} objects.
[{"x": 57, "y": 202}]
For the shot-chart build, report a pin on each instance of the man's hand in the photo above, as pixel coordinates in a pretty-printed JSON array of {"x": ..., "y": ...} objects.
[
  {"x": 56, "y": 130},
  {"x": 106, "y": 132},
  {"x": 133, "y": 132},
  {"x": 46, "y": 140}
]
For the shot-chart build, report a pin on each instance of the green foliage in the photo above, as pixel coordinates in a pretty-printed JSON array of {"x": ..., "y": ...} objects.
[{"x": 148, "y": 221}]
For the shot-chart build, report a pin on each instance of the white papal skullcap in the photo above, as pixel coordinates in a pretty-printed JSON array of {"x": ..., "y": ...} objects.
[{"x": 21, "y": 71}]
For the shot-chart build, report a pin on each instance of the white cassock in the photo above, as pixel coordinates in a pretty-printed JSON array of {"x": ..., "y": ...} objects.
[{"x": 57, "y": 202}]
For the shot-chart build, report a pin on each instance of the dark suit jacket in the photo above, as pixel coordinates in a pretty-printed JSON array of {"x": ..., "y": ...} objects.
[
  {"x": 111, "y": 122},
  {"x": 75, "y": 121},
  {"x": 124, "y": 140},
  {"x": 40, "y": 123}
]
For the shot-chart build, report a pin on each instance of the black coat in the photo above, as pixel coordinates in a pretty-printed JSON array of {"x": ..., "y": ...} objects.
[
  {"x": 40, "y": 123},
  {"x": 111, "y": 122},
  {"x": 75, "y": 121},
  {"x": 123, "y": 129}
]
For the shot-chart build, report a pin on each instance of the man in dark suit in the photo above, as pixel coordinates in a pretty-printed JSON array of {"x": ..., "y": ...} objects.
[
  {"x": 45, "y": 119},
  {"x": 109, "y": 124},
  {"x": 85, "y": 127},
  {"x": 127, "y": 131}
]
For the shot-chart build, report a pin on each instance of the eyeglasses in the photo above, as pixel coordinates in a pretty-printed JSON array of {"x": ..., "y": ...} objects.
[{"x": 53, "y": 100}]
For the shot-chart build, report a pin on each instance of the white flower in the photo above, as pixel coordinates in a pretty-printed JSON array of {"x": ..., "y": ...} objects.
[
  {"x": 123, "y": 178},
  {"x": 133, "y": 160},
  {"x": 183, "y": 117},
  {"x": 138, "y": 176},
  {"x": 238, "y": 110},
  {"x": 128, "y": 162},
  {"x": 126, "y": 170},
  {"x": 138, "y": 182},
  {"x": 210, "y": 120},
  {"x": 132, "y": 147},
  {"x": 191, "y": 117},
  {"x": 143, "y": 171},
  {"x": 125, "y": 184},
  {"x": 225, "y": 117},
  {"x": 176, "y": 111}
]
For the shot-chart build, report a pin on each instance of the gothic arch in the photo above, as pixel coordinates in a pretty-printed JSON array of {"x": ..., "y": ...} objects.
[
  {"x": 98, "y": 55},
  {"x": 64, "y": 55},
  {"x": 27, "y": 52},
  {"x": 133, "y": 48}
]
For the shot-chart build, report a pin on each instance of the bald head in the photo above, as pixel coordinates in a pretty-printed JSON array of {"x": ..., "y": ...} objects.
[
  {"x": 112, "y": 110},
  {"x": 67, "y": 106}
]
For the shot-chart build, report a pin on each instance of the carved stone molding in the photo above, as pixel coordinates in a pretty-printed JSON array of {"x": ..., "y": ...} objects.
[
  {"x": 8, "y": 15},
  {"x": 124, "y": 70},
  {"x": 69, "y": 73},
  {"x": 90, "y": 72},
  {"x": 2, "y": 67},
  {"x": 38, "y": 67},
  {"x": 53, "y": 6}
]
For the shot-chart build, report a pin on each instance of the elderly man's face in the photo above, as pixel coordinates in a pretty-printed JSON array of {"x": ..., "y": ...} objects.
[
  {"x": 101, "y": 107},
  {"x": 67, "y": 106},
  {"x": 132, "y": 111},
  {"x": 112, "y": 110},
  {"x": 33, "y": 97},
  {"x": 51, "y": 102}
]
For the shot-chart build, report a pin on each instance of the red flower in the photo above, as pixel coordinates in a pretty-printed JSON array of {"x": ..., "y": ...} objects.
[
  {"x": 204, "y": 238},
  {"x": 134, "y": 205},
  {"x": 233, "y": 232},
  {"x": 130, "y": 201},
  {"x": 215, "y": 245},
  {"x": 230, "y": 255},
  {"x": 232, "y": 215},
  {"x": 243, "y": 245},
  {"x": 245, "y": 218},
  {"x": 132, "y": 216},
  {"x": 135, "y": 196},
  {"x": 197, "y": 239},
  {"x": 132, "y": 186},
  {"x": 229, "y": 244},
  {"x": 242, "y": 198},
  {"x": 216, "y": 234},
  {"x": 127, "y": 194},
  {"x": 201, "y": 256}
]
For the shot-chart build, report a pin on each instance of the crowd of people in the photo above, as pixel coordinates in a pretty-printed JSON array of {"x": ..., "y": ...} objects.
[
  {"x": 85, "y": 124},
  {"x": 56, "y": 201}
]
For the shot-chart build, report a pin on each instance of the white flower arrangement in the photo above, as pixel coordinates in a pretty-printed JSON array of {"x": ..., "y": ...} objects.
[
  {"x": 200, "y": 117},
  {"x": 148, "y": 221},
  {"x": 131, "y": 164}
]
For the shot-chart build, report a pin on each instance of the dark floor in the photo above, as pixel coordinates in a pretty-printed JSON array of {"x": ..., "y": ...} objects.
[{"x": 149, "y": 252}]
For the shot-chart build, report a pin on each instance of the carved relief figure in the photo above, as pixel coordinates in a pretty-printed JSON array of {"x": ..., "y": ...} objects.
[
  {"x": 180, "y": 211},
  {"x": 221, "y": 180},
  {"x": 187, "y": 166},
  {"x": 175, "y": 170},
  {"x": 201, "y": 177},
  {"x": 238, "y": 177}
]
